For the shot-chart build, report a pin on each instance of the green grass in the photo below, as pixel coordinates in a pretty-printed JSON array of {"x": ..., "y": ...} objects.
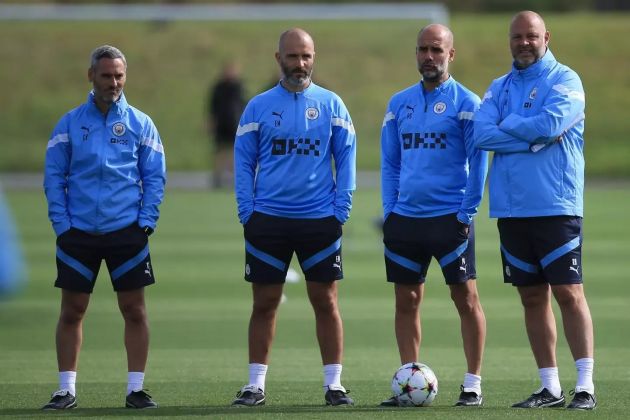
[
  {"x": 171, "y": 66},
  {"x": 199, "y": 312}
]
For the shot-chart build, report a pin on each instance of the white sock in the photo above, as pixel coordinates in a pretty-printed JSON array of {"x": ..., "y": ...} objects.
[
  {"x": 67, "y": 381},
  {"x": 550, "y": 380},
  {"x": 332, "y": 375},
  {"x": 585, "y": 375},
  {"x": 257, "y": 375},
  {"x": 472, "y": 383},
  {"x": 135, "y": 382}
]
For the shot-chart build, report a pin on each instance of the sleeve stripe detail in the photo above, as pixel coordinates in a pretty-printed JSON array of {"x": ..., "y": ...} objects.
[
  {"x": 572, "y": 94},
  {"x": 153, "y": 144},
  {"x": 466, "y": 115},
  {"x": 59, "y": 138},
  {"x": 244, "y": 129},
  {"x": 388, "y": 117},
  {"x": 340, "y": 122}
]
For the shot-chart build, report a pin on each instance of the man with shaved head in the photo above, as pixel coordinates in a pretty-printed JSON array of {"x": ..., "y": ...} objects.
[
  {"x": 290, "y": 200},
  {"x": 432, "y": 184},
  {"x": 533, "y": 120}
]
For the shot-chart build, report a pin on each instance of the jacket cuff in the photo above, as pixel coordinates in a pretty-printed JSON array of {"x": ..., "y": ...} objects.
[
  {"x": 464, "y": 218},
  {"x": 61, "y": 227},
  {"x": 146, "y": 222}
]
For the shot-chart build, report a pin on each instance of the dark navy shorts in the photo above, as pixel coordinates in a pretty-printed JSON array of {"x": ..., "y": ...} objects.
[
  {"x": 270, "y": 242},
  {"x": 538, "y": 250},
  {"x": 410, "y": 242},
  {"x": 125, "y": 251}
]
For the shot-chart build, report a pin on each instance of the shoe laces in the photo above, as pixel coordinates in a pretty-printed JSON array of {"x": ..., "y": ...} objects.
[
  {"x": 143, "y": 392},
  {"x": 250, "y": 388},
  {"x": 579, "y": 391},
  {"x": 337, "y": 388},
  {"x": 469, "y": 390},
  {"x": 60, "y": 393}
]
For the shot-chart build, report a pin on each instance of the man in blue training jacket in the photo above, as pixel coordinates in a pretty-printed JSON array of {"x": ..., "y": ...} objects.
[
  {"x": 104, "y": 181},
  {"x": 290, "y": 200},
  {"x": 432, "y": 184},
  {"x": 533, "y": 120}
]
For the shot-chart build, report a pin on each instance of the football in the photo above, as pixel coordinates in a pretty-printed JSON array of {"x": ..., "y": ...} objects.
[{"x": 414, "y": 385}]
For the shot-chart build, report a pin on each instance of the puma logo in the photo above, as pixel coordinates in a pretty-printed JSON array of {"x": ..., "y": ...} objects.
[
  {"x": 277, "y": 114},
  {"x": 574, "y": 269}
]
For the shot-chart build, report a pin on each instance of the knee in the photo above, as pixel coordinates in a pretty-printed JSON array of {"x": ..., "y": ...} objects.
[
  {"x": 466, "y": 301},
  {"x": 408, "y": 302},
  {"x": 324, "y": 304},
  {"x": 72, "y": 314},
  {"x": 569, "y": 297},
  {"x": 265, "y": 306},
  {"x": 133, "y": 312},
  {"x": 534, "y": 300}
]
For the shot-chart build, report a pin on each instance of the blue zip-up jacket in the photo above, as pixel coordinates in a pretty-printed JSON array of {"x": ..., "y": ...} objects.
[
  {"x": 429, "y": 165},
  {"x": 283, "y": 153},
  {"x": 104, "y": 172},
  {"x": 533, "y": 119}
]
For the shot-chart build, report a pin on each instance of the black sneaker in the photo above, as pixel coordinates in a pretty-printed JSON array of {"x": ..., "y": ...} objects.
[
  {"x": 249, "y": 396},
  {"x": 337, "y": 395},
  {"x": 582, "y": 401},
  {"x": 469, "y": 399},
  {"x": 390, "y": 402},
  {"x": 61, "y": 400},
  {"x": 541, "y": 398},
  {"x": 140, "y": 399}
]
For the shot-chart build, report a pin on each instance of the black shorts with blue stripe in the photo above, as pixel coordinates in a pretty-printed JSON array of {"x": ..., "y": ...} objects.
[
  {"x": 538, "y": 250},
  {"x": 125, "y": 251},
  {"x": 270, "y": 242},
  {"x": 411, "y": 242}
]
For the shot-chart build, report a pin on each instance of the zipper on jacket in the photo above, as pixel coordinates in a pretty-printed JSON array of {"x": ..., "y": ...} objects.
[
  {"x": 295, "y": 113},
  {"x": 103, "y": 158}
]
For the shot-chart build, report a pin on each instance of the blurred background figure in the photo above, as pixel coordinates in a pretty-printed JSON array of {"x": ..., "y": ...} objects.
[
  {"x": 11, "y": 260},
  {"x": 226, "y": 103}
]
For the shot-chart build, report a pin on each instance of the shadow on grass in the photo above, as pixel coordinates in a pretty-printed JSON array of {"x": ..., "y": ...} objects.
[{"x": 195, "y": 411}]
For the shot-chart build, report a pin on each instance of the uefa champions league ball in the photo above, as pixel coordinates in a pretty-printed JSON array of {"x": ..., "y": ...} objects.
[{"x": 414, "y": 385}]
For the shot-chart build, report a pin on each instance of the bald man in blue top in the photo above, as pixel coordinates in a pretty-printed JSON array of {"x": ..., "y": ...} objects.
[
  {"x": 290, "y": 200},
  {"x": 432, "y": 181},
  {"x": 532, "y": 118}
]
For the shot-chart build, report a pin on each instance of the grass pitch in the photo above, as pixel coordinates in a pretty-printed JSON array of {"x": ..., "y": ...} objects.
[{"x": 200, "y": 306}]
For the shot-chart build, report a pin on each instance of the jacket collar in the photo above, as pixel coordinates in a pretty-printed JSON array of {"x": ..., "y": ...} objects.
[
  {"x": 306, "y": 91},
  {"x": 536, "y": 69},
  {"x": 119, "y": 107},
  {"x": 441, "y": 87}
]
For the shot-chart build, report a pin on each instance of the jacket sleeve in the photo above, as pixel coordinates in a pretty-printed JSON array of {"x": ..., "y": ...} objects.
[
  {"x": 390, "y": 162},
  {"x": 344, "y": 150},
  {"x": 57, "y": 167},
  {"x": 487, "y": 133},
  {"x": 562, "y": 108},
  {"x": 152, "y": 167},
  {"x": 477, "y": 166},
  {"x": 245, "y": 161}
]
